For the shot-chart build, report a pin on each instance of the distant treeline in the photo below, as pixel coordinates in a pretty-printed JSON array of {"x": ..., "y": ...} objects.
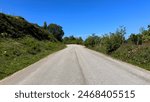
[{"x": 73, "y": 40}]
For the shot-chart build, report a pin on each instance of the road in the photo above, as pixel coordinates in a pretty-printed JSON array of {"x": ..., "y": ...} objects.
[{"x": 77, "y": 65}]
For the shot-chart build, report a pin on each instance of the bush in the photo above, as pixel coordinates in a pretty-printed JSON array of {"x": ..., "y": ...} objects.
[
  {"x": 107, "y": 43},
  {"x": 92, "y": 41},
  {"x": 138, "y": 55},
  {"x": 135, "y": 50},
  {"x": 135, "y": 39}
]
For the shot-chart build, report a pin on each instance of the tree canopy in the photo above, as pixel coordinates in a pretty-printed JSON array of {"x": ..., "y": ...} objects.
[
  {"x": 45, "y": 25},
  {"x": 108, "y": 42},
  {"x": 56, "y": 30},
  {"x": 73, "y": 40}
]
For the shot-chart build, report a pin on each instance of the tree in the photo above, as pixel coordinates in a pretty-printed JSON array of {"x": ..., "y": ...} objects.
[
  {"x": 80, "y": 40},
  {"x": 148, "y": 27},
  {"x": 73, "y": 40},
  {"x": 135, "y": 39},
  {"x": 120, "y": 34},
  {"x": 109, "y": 42},
  {"x": 56, "y": 30},
  {"x": 45, "y": 25},
  {"x": 112, "y": 41},
  {"x": 146, "y": 35},
  {"x": 92, "y": 40}
]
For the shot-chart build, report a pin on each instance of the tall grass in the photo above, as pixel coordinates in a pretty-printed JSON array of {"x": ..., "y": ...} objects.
[
  {"x": 16, "y": 54},
  {"x": 136, "y": 54}
]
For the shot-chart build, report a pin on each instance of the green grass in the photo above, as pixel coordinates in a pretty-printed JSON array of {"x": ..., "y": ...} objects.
[
  {"x": 16, "y": 54},
  {"x": 138, "y": 55}
]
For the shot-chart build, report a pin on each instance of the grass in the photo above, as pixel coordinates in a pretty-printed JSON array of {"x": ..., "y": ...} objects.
[
  {"x": 16, "y": 54},
  {"x": 138, "y": 55}
]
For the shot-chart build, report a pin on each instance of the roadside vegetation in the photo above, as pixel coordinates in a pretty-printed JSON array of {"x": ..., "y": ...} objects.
[
  {"x": 73, "y": 40},
  {"x": 23, "y": 43},
  {"x": 134, "y": 50}
]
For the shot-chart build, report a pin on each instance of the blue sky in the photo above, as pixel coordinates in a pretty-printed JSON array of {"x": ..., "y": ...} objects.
[{"x": 83, "y": 17}]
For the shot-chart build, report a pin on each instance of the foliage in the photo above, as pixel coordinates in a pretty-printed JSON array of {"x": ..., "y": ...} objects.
[
  {"x": 109, "y": 42},
  {"x": 56, "y": 30},
  {"x": 146, "y": 36},
  {"x": 93, "y": 40},
  {"x": 73, "y": 40},
  {"x": 16, "y": 54},
  {"x": 138, "y": 55},
  {"x": 16, "y": 27},
  {"x": 135, "y": 50},
  {"x": 23, "y": 43},
  {"x": 135, "y": 39},
  {"x": 45, "y": 26}
]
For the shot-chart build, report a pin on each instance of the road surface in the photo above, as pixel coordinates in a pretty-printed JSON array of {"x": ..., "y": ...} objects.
[{"x": 77, "y": 65}]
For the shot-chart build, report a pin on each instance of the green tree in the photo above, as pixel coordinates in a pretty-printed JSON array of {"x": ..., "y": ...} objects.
[
  {"x": 146, "y": 35},
  {"x": 135, "y": 39},
  {"x": 148, "y": 27},
  {"x": 56, "y": 30},
  {"x": 73, "y": 40},
  {"x": 109, "y": 42},
  {"x": 91, "y": 41},
  {"x": 120, "y": 34},
  {"x": 80, "y": 40},
  {"x": 45, "y": 25}
]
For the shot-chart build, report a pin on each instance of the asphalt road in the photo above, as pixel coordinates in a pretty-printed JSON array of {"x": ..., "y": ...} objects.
[{"x": 77, "y": 65}]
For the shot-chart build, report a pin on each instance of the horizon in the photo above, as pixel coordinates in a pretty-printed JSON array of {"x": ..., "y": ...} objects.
[{"x": 83, "y": 17}]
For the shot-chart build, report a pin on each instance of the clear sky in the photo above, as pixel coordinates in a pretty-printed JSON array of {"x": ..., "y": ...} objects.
[{"x": 83, "y": 17}]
